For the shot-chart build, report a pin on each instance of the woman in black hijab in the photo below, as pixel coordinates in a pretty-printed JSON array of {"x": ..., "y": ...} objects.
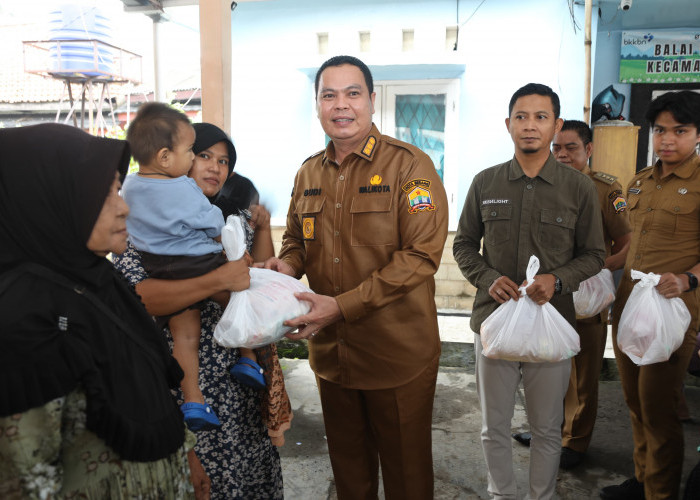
[{"x": 85, "y": 378}]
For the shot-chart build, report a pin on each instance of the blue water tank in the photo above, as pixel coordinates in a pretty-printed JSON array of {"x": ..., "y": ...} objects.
[{"x": 80, "y": 22}]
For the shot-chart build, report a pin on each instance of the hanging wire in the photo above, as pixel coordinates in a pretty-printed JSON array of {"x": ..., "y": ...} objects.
[
  {"x": 573, "y": 16},
  {"x": 472, "y": 14}
]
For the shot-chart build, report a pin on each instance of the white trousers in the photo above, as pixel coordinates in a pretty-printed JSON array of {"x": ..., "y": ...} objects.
[{"x": 545, "y": 386}]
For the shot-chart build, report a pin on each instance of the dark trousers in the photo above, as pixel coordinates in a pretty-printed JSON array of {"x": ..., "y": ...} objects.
[
  {"x": 387, "y": 426},
  {"x": 652, "y": 393}
]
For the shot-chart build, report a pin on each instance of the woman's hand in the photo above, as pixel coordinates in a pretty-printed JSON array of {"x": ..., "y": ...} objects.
[
  {"x": 260, "y": 217},
  {"x": 163, "y": 297},
  {"x": 198, "y": 476},
  {"x": 234, "y": 276}
]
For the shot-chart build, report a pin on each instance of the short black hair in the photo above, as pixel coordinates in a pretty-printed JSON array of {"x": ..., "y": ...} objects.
[
  {"x": 339, "y": 61},
  {"x": 539, "y": 89},
  {"x": 154, "y": 128},
  {"x": 683, "y": 105},
  {"x": 581, "y": 128}
]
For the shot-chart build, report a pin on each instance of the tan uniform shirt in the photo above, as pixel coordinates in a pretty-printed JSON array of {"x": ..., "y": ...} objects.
[
  {"x": 616, "y": 221},
  {"x": 370, "y": 232},
  {"x": 665, "y": 216},
  {"x": 554, "y": 216},
  {"x": 613, "y": 207}
]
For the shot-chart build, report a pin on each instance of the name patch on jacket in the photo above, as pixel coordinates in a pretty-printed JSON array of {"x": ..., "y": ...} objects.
[
  {"x": 618, "y": 201},
  {"x": 312, "y": 192},
  {"x": 418, "y": 196},
  {"x": 375, "y": 189},
  {"x": 308, "y": 227}
]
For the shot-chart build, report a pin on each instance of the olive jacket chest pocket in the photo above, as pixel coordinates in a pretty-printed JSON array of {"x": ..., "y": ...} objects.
[
  {"x": 309, "y": 211},
  {"x": 372, "y": 221},
  {"x": 497, "y": 220},
  {"x": 557, "y": 230}
]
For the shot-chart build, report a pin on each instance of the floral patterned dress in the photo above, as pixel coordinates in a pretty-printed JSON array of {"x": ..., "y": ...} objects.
[{"x": 239, "y": 457}]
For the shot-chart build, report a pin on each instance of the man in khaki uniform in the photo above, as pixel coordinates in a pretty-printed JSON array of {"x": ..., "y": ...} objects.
[
  {"x": 573, "y": 146},
  {"x": 664, "y": 209},
  {"x": 367, "y": 224}
]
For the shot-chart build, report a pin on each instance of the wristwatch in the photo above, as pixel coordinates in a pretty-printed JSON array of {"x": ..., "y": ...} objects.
[
  {"x": 557, "y": 284},
  {"x": 692, "y": 282}
]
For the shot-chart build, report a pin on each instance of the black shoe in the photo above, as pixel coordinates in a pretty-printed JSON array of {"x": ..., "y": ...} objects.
[
  {"x": 570, "y": 458},
  {"x": 629, "y": 490},
  {"x": 523, "y": 438}
]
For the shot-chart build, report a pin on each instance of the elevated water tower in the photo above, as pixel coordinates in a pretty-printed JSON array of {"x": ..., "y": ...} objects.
[{"x": 80, "y": 53}]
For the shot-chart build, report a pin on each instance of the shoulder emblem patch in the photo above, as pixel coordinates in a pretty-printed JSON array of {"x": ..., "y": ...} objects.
[
  {"x": 618, "y": 201},
  {"x": 418, "y": 196},
  {"x": 308, "y": 227}
]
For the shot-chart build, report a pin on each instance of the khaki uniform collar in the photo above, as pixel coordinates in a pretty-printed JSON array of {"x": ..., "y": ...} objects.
[
  {"x": 366, "y": 149},
  {"x": 547, "y": 173},
  {"x": 684, "y": 170}
]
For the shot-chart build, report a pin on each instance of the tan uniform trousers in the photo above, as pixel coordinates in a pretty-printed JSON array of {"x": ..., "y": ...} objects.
[
  {"x": 652, "y": 393},
  {"x": 391, "y": 426},
  {"x": 581, "y": 400}
]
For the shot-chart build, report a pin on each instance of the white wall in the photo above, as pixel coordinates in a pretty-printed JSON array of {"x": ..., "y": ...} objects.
[{"x": 504, "y": 45}]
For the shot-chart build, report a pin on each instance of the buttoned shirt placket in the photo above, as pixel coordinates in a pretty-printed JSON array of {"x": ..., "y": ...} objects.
[
  {"x": 337, "y": 257},
  {"x": 524, "y": 231}
]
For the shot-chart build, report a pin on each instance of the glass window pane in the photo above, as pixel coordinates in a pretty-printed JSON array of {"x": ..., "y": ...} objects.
[{"x": 420, "y": 120}]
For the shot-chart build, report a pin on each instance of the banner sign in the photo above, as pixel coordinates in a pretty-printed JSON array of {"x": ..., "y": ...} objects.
[{"x": 660, "y": 57}]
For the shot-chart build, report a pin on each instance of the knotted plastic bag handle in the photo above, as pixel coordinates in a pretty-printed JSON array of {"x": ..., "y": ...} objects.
[
  {"x": 532, "y": 267},
  {"x": 646, "y": 279}
]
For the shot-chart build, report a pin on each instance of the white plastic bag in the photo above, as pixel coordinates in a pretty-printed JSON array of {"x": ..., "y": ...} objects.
[
  {"x": 525, "y": 331},
  {"x": 233, "y": 237},
  {"x": 651, "y": 326},
  {"x": 594, "y": 294},
  {"x": 254, "y": 317}
]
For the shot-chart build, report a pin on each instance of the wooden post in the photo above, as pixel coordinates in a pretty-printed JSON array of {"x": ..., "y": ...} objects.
[
  {"x": 587, "y": 45},
  {"x": 215, "y": 43}
]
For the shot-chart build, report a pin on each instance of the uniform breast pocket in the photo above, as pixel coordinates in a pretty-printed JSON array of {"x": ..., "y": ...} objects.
[
  {"x": 372, "y": 221},
  {"x": 677, "y": 216},
  {"x": 556, "y": 230},
  {"x": 497, "y": 222},
  {"x": 309, "y": 212}
]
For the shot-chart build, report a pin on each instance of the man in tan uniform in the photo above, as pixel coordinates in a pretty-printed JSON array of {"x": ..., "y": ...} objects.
[
  {"x": 367, "y": 224},
  {"x": 664, "y": 209},
  {"x": 573, "y": 146}
]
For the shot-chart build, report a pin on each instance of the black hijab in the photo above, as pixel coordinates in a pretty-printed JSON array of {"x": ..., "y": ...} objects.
[
  {"x": 238, "y": 192},
  {"x": 67, "y": 317}
]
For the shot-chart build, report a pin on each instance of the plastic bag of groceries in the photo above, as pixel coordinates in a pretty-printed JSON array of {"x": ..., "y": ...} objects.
[
  {"x": 594, "y": 294},
  {"x": 523, "y": 330},
  {"x": 254, "y": 317},
  {"x": 651, "y": 326}
]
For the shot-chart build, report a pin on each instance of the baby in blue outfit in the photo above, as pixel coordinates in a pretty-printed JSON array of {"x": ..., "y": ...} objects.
[{"x": 176, "y": 230}]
